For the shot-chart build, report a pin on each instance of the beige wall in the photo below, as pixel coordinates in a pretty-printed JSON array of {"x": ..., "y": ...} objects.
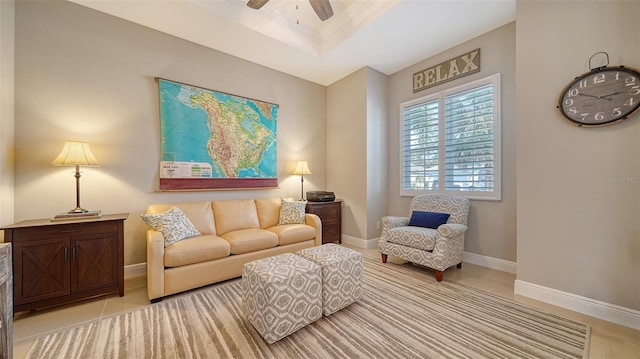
[
  {"x": 377, "y": 150},
  {"x": 357, "y": 151},
  {"x": 578, "y": 188},
  {"x": 84, "y": 75},
  {"x": 347, "y": 149},
  {"x": 492, "y": 224},
  {"x": 7, "y": 11}
]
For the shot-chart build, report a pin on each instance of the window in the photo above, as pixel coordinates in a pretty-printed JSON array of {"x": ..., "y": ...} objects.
[{"x": 450, "y": 141}]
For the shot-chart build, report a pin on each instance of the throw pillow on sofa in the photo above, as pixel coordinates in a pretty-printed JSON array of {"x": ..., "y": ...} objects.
[
  {"x": 173, "y": 224},
  {"x": 292, "y": 212}
]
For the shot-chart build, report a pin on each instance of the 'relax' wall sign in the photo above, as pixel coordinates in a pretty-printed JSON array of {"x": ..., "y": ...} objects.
[{"x": 455, "y": 68}]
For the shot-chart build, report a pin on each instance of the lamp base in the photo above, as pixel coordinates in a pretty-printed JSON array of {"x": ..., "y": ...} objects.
[{"x": 78, "y": 210}]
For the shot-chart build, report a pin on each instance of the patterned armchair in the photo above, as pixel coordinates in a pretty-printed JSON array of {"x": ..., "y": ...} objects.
[{"x": 438, "y": 248}]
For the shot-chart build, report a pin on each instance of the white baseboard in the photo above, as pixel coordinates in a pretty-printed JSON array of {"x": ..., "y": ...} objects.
[
  {"x": 490, "y": 262},
  {"x": 359, "y": 242},
  {"x": 598, "y": 309},
  {"x": 595, "y": 308},
  {"x": 135, "y": 270},
  {"x": 484, "y": 261}
]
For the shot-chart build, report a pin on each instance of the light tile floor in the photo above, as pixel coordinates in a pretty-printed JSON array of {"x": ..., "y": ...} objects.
[{"x": 608, "y": 340}]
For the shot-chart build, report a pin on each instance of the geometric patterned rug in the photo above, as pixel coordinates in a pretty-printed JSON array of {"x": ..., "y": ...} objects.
[{"x": 404, "y": 313}]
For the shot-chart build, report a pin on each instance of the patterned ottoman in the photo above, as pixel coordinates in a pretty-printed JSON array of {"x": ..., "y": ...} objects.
[
  {"x": 281, "y": 294},
  {"x": 342, "y": 275}
]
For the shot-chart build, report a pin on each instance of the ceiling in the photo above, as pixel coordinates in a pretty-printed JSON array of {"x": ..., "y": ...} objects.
[{"x": 386, "y": 35}]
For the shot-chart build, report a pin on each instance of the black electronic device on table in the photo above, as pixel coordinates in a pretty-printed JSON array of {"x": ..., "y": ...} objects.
[{"x": 320, "y": 196}]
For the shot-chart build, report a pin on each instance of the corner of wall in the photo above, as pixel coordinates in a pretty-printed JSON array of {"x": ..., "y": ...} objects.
[{"x": 7, "y": 115}]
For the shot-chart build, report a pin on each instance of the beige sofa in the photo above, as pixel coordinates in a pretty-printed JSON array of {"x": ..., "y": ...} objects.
[{"x": 233, "y": 232}]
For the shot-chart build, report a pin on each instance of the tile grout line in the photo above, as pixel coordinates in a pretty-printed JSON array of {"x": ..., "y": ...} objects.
[{"x": 104, "y": 306}]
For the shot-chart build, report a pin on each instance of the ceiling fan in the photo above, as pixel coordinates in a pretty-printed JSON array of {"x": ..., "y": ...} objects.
[{"x": 321, "y": 7}]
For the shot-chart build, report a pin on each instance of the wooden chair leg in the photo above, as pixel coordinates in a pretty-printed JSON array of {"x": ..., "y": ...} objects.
[
  {"x": 439, "y": 274},
  {"x": 459, "y": 265},
  {"x": 384, "y": 257}
]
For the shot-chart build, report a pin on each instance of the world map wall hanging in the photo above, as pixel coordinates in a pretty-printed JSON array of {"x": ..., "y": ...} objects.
[{"x": 214, "y": 140}]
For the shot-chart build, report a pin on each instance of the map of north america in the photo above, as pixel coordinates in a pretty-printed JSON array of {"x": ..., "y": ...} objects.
[{"x": 208, "y": 134}]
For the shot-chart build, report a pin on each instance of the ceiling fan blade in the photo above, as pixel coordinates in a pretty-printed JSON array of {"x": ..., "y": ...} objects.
[
  {"x": 322, "y": 8},
  {"x": 256, "y": 4}
]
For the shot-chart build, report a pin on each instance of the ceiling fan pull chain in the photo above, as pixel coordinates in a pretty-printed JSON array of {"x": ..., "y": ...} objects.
[{"x": 297, "y": 13}]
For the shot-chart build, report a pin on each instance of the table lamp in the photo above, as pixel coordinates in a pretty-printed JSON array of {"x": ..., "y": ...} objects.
[
  {"x": 302, "y": 169},
  {"x": 76, "y": 154}
]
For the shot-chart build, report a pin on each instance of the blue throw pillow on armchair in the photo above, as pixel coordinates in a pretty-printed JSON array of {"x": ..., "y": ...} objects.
[{"x": 428, "y": 219}]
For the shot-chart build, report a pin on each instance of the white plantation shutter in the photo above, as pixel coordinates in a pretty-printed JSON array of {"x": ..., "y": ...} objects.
[
  {"x": 420, "y": 145},
  {"x": 452, "y": 138},
  {"x": 469, "y": 139}
]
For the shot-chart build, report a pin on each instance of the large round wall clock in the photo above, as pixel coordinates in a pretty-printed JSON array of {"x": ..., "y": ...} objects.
[{"x": 602, "y": 96}]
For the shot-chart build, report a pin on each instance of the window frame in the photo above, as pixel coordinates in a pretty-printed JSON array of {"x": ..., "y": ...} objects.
[{"x": 440, "y": 96}]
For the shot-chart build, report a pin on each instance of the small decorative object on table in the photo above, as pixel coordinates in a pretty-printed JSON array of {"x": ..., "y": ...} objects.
[{"x": 67, "y": 216}]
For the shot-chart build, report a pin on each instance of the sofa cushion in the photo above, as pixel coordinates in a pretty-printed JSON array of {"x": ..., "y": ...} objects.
[
  {"x": 173, "y": 224},
  {"x": 196, "y": 250},
  {"x": 232, "y": 215},
  {"x": 199, "y": 213},
  {"x": 250, "y": 240},
  {"x": 292, "y": 212},
  {"x": 411, "y": 236},
  {"x": 293, "y": 233},
  {"x": 268, "y": 212}
]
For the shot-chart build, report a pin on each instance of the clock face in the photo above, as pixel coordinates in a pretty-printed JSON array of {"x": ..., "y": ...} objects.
[{"x": 601, "y": 96}]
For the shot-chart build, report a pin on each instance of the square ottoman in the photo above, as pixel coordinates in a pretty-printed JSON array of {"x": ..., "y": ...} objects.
[
  {"x": 281, "y": 294},
  {"x": 342, "y": 275}
]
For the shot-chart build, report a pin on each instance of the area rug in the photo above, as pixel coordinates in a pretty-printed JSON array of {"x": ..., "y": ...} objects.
[{"x": 405, "y": 313}]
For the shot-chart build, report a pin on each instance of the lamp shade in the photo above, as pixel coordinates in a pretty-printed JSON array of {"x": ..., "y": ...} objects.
[
  {"x": 302, "y": 168},
  {"x": 76, "y": 154}
]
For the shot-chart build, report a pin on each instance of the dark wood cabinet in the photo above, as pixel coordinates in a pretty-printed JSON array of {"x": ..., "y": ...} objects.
[
  {"x": 330, "y": 214},
  {"x": 59, "y": 262}
]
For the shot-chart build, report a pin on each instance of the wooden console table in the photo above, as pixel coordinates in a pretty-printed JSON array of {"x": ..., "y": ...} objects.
[{"x": 60, "y": 262}]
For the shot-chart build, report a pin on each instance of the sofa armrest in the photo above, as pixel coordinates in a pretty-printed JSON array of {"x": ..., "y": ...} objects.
[
  {"x": 314, "y": 221},
  {"x": 155, "y": 264},
  {"x": 389, "y": 222}
]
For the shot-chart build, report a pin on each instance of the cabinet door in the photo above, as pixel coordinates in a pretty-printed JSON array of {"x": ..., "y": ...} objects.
[
  {"x": 42, "y": 269},
  {"x": 94, "y": 261}
]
